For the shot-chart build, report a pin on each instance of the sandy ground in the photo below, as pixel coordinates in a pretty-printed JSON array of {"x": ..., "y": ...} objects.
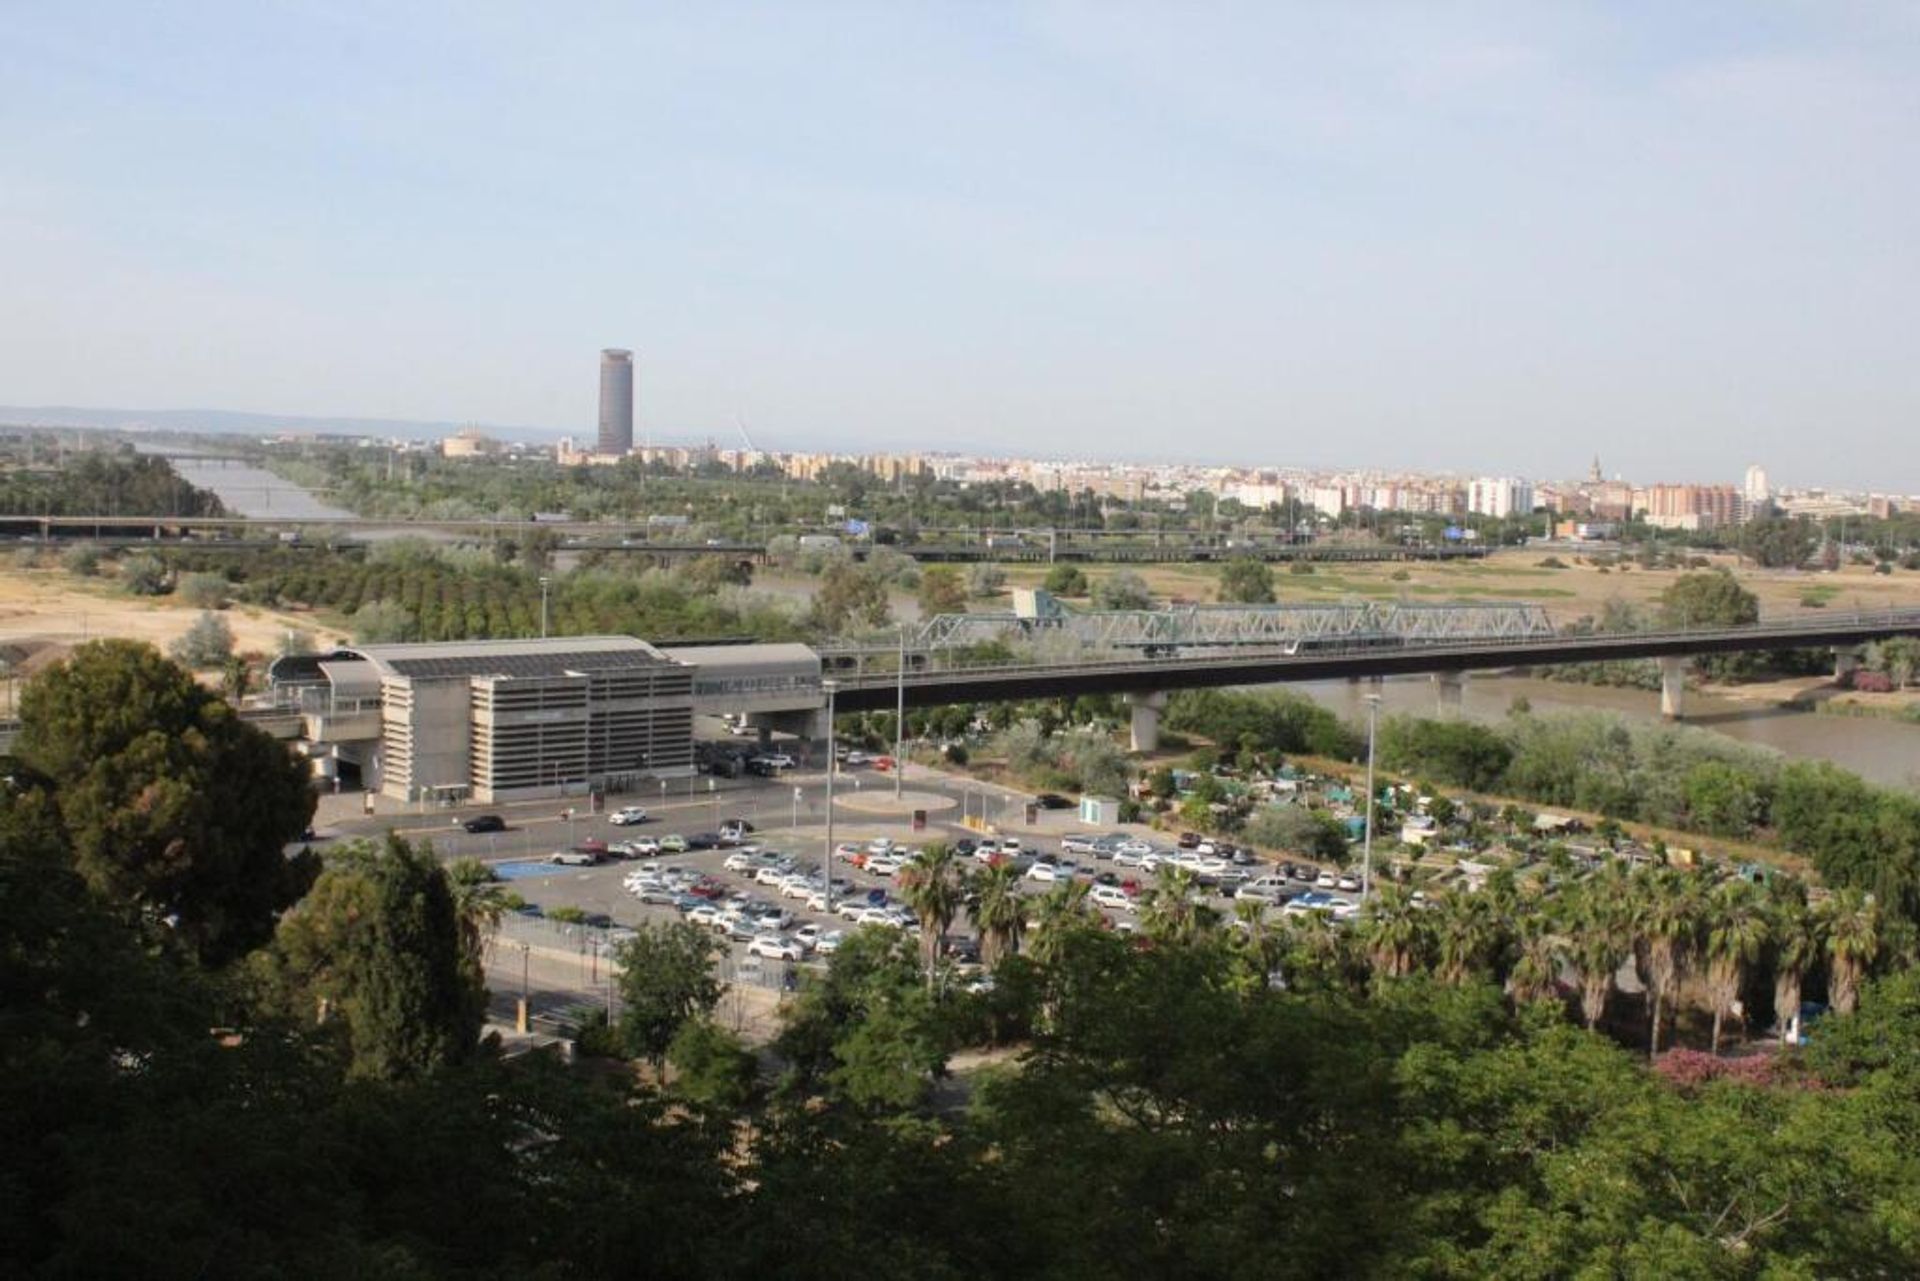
[{"x": 44, "y": 613}]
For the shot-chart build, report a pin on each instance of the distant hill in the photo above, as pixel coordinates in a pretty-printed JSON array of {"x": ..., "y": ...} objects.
[{"x": 230, "y": 422}]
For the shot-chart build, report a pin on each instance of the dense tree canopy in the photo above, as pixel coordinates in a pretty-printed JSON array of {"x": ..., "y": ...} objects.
[{"x": 175, "y": 807}]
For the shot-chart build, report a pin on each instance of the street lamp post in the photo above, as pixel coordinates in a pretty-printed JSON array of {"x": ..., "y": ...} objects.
[
  {"x": 828, "y": 687},
  {"x": 900, "y": 720},
  {"x": 1366, "y": 849},
  {"x": 544, "y": 580}
]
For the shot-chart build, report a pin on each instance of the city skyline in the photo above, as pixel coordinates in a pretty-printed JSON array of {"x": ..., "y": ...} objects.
[{"x": 1380, "y": 237}]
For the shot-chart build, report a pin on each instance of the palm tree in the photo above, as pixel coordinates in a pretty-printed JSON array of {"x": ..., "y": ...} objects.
[
  {"x": 1536, "y": 970},
  {"x": 1797, "y": 942},
  {"x": 1396, "y": 931},
  {"x": 1598, "y": 942},
  {"x": 1465, "y": 934},
  {"x": 1668, "y": 918},
  {"x": 1060, "y": 911},
  {"x": 478, "y": 906},
  {"x": 1168, "y": 912},
  {"x": 1258, "y": 946},
  {"x": 998, "y": 912},
  {"x": 931, "y": 886},
  {"x": 1851, "y": 921},
  {"x": 1736, "y": 933}
]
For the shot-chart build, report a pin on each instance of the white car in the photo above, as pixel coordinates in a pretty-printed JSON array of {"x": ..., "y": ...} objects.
[
  {"x": 627, "y": 817},
  {"x": 885, "y": 864},
  {"x": 855, "y": 758},
  {"x": 880, "y": 845},
  {"x": 644, "y": 847},
  {"x": 877, "y": 916},
  {"x": 779, "y": 760},
  {"x": 709, "y": 915},
  {"x": 1349, "y": 882},
  {"x": 573, "y": 858},
  {"x": 851, "y": 908},
  {"x": 829, "y": 943},
  {"x": 1050, "y": 873},
  {"x": 769, "y": 876},
  {"x": 801, "y": 887},
  {"x": 1326, "y": 880},
  {"x": 1111, "y": 897},
  {"x": 808, "y": 936},
  {"x": 740, "y": 861}
]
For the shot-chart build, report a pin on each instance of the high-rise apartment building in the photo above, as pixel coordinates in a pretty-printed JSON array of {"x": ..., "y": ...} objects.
[
  {"x": 616, "y": 401},
  {"x": 1500, "y": 496},
  {"x": 1757, "y": 491}
]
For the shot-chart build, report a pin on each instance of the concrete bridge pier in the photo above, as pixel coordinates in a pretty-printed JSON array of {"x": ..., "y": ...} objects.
[
  {"x": 1450, "y": 690},
  {"x": 1846, "y": 662},
  {"x": 1673, "y": 687},
  {"x": 1146, "y": 709}
]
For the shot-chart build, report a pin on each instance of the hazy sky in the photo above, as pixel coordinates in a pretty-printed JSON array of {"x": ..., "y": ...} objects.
[{"x": 1463, "y": 236}]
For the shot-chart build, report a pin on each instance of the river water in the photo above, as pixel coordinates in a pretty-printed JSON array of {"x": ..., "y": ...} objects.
[
  {"x": 1883, "y": 751},
  {"x": 252, "y": 491}
]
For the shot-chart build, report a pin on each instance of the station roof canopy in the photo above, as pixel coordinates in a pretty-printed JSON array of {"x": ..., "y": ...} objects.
[{"x": 552, "y": 656}]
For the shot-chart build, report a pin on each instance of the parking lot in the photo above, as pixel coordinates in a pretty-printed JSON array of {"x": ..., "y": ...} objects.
[{"x": 761, "y": 892}]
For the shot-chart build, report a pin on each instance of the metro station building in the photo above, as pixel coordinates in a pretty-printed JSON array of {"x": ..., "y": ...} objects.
[{"x": 518, "y": 719}]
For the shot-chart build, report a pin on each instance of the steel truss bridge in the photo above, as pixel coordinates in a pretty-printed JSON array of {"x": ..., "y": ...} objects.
[
  {"x": 869, "y": 679},
  {"x": 1171, "y": 631}
]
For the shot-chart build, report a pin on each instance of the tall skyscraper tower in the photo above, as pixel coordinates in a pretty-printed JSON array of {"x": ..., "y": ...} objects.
[
  {"x": 1756, "y": 490},
  {"x": 616, "y": 401}
]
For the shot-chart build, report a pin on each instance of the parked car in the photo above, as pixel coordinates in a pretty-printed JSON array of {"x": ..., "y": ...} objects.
[
  {"x": 627, "y": 817},
  {"x": 775, "y": 948},
  {"x": 704, "y": 841},
  {"x": 593, "y": 845},
  {"x": 1110, "y": 897},
  {"x": 658, "y": 893},
  {"x": 737, "y": 828},
  {"x": 485, "y": 823},
  {"x": 1348, "y": 882},
  {"x": 573, "y": 858},
  {"x": 829, "y": 943},
  {"x": 1189, "y": 840},
  {"x": 674, "y": 844},
  {"x": 1053, "y": 801},
  {"x": 1079, "y": 843},
  {"x": 644, "y": 847},
  {"x": 778, "y": 760}
]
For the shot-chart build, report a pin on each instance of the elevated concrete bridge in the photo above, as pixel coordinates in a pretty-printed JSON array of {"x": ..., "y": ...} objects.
[{"x": 869, "y": 679}]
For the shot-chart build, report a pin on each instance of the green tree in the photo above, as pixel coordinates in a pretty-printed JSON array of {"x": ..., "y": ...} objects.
[
  {"x": 175, "y": 807},
  {"x": 1466, "y": 936},
  {"x": 378, "y": 950},
  {"x": 1247, "y": 581},
  {"x": 711, "y": 1067},
  {"x": 381, "y": 621},
  {"x": 1123, "y": 589},
  {"x": 1066, "y": 580},
  {"x": 942, "y": 591},
  {"x": 666, "y": 978},
  {"x": 848, "y": 594},
  {"x": 1708, "y": 598},
  {"x": 207, "y": 643}
]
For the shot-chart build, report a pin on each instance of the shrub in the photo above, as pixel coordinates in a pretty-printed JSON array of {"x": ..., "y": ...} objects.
[
  {"x": 208, "y": 643},
  {"x": 203, "y": 591},
  {"x": 143, "y": 575},
  {"x": 82, "y": 561}
]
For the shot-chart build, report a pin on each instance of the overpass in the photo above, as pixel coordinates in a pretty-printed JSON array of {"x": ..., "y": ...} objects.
[
  {"x": 248, "y": 532},
  {"x": 1146, "y": 681}
]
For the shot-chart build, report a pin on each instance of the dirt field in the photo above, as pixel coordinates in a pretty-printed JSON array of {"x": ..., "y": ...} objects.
[
  {"x": 45, "y": 612},
  {"x": 1566, "y": 594}
]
